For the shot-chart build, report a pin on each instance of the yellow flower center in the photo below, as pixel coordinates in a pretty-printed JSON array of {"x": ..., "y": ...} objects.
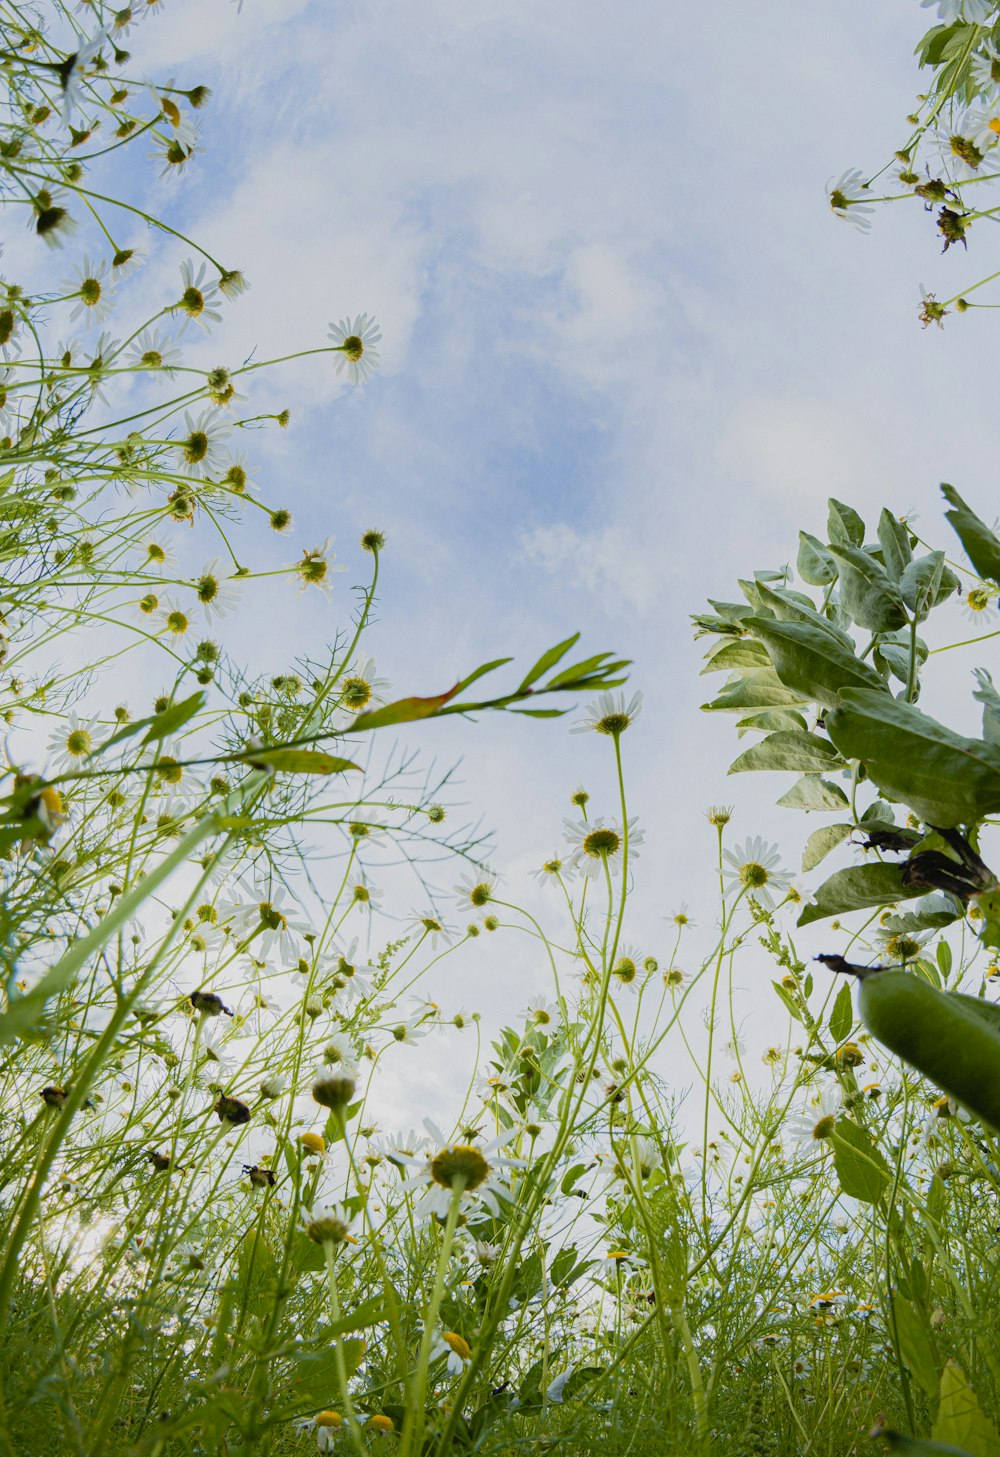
[{"x": 459, "y": 1166}]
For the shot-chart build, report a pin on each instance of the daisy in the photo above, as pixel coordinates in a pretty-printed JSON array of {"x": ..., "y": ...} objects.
[
  {"x": 753, "y": 870},
  {"x": 846, "y": 198},
  {"x": 433, "y": 928},
  {"x": 265, "y": 917},
  {"x": 198, "y": 297},
  {"x": 541, "y": 1012},
  {"x": 218, "y": 595},
  {"x": 549, "y": 872},
  {"x": 94, "y": 294},
  {"x": 815, "y": 1123},
  {"x": 315, "y": 567},
  {"x": 609, "y": 714},
  {"x": 328, "y": 1224},
  {"x": 962, "y": 145},
  {"x": 361, "y": 686},
  {"x": 327, "y": 1425},
  {"x": 201, "y": 448},
  {"x": 455, "y": 1348},
  {"x": 600, "y": 843},
  {"x": 986, "y": 70},
  {"x": 73, "y": 742},
  {"x": 355, "y": 340},
  {"x": 466, "y": 1168},
  {"x": 365, "y": 895},
  {"x": 476, "y": 888},
  {"x": 76, "y": 71},
  {"x": 153, "y": 350},
  {"x": 979, "y": 605}
]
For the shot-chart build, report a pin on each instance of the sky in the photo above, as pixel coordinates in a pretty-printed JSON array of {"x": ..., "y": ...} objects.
[{"x": 628, "y": 353}]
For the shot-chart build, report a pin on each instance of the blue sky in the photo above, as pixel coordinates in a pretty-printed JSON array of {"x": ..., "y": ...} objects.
[{"x": 628, "y": 352}]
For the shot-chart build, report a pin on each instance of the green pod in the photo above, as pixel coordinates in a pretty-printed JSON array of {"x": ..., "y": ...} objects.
[
  {"x": 979, "y": 1007},
  {"x": 938, "y": 1034}
]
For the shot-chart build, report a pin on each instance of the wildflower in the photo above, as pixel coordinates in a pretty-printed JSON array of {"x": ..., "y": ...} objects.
[
  {"x": 217, "y": 595},
  {"x": 327, "y": 1224},
  {"x": 435, "y": 929},
  {"x": 51, "y": 221},
  {"x": 986, "y": 69},
  {"x": 338, "y": 1051},
  {"x": 626, "y": 969},
  {"x": 979, "y": 605},
  {"x": 610, "y": 715},
  {"x": 753, "y": 870},
  {"x": 173, "y": 618},
  {"x": 461, "y": 1168},
  {"x": 198, "y": 297},
  {"x": 719, "y": 815},
  {"x": 76, "y": 70},
  {"x": 816, "y": 1122},
  {"x": 931, "y": 312},
  {"x": 953, "y": 227},
  {"x": 91, "y": 289},
  {"x": 380, "y": 1424},
  {"x": 541, "y": 1012},
  {"x": 477, "y": 889},
  {"x": 361, "y": 686},
  {"x": 681, "y": 918},
  {"x": 265, "y": 916},
  {"x": 315, "y": 568},
  {"x": 334, "y": 1089},
  {"x": 355, "y": 340},
  {"x": 201, "y": 448},
  {"x": 366, "y": 896},
  {"x": 600, "y": 844},
  {"x": 72, "y": 743},
  {"x": 846, "y": 198},
  {"x": 232, "y": 283},
  {"x": 312, "y": 1143},
  {"x": 327, "y": 1426},
  {"x": 579, "y": 797},
  {"x": 615, "y": 1262},
  {"x": 453, "y": 1346},
  {"x": 549, "y": 872},
  {"x": 962, "y": 146}
]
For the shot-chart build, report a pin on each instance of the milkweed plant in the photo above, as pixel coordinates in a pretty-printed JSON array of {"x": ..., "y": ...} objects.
[{"x": 685, "y": 1202}]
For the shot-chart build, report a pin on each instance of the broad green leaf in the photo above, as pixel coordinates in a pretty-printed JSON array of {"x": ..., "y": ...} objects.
[
  {"x": 894, "y": 539},
  {"x": 811, "y": 792},
  {"x": 789, "y": 749},
  {"x": 404, "y": 710},
  {"x": 315, "y": 1377},
  {"x": 792, "y": 607},
  {"x": 812, "y": 660},
  {"x": 760, "y": 688},
  {"x": 815, "y": 564},
  {"x": 927, "y": 583},
  {"x": 546, "y": 661},
  {"x": 894, "y": 650},
  {"x": 866, "y": 590},
  {"x": 929, "y": 913},
  {"x": 915, "y": 1343},
  {"x": 855, "y": 889},
  {"x": 770, "y": 720},
  {"x": 821, "y": 842},
  {"x": 297, "y": 761},
  {"x": 843, "y": 524},
  {"x": 988, "y": 696},
  {"x": 946, "y": 779},
  {"x": 791, "y": 1006},
  {"x": 745, "y": 652},
  {"x": 861, "y": 1169},
  {"x": 960, "y": 1419},
  {"x": 734, "y": 613},
  {"x": 842, "y": 1014},
  {"x": 981, "y": 546}
]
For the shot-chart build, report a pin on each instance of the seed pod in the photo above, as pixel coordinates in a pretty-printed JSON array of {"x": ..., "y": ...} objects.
[{"x": 938, "y": 1034}]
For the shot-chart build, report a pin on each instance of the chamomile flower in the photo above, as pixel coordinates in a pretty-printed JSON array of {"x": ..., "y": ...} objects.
[
  {"x": 962, "y": 145},
  {"x": 361, "y": 687},
  {"x": 201, "y": 447},
  {"x": 454, "y": 1348},
  {"x": 986, "y": 70},
  {"x": 807, "y": 1130},
  {"x": 476, "y": 888},
  {"x": 266, "y": 917},
  {"x": 72, "y": 743},
  {"x": 199, "y": 295},
  {"x": 979, "y": 605},
  {"x": 354, "y": 340},
  {"x": 551, "y": 870},
  {"x": 328, "y": 1224},
  {"x": 316, "y": 567},
  {"x": 540, "y": 1012},
  {"x": 92, "y": 290},
  {"x": 847, "y": 196},
  {"x": 754, "y": 869},
  {"x": 76, "y": 71},
  {"x": 218, "y": 595},
  {"x": 600, "y": 843},
  {"x": 609, "y": 714},
  {"x": 327, "y": 1425},
  {"x": 463, "y": 1168}
]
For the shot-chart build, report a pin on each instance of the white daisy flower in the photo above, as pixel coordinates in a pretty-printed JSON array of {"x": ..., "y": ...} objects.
[
  {"x": 78, "y": 69},
  {"x": 455, "y": 1348},
  {"x": 754, "y": 870},
  {"x": 962, "y": 145},
  {"x": 609, "y": 714},
  {"x": 355, "y": 340},
  {"x": 476, "y": 888},
  {"x": 72, "y": 743},
  {"x": 328, "y": 1224},
  {"x": 218, "y": 595},
  {"x": 199, "y": 295},
  {"x": 201, "y": 448},
  {"x": 93, "y": 292},
  {"x": 601, "y": 842},
  {"x": 433, "y": 928},
  {"x": 469, "y": 1168},
  {"x": 986, "y": 70},
  {"x": 549, "y": 872},
  {"x": 847, "y": 196},
  {"x": 153, "y": 350},
  {"x": 266, "y": 918},
  {"x": 327, "y": 1425},
  {"x": 979, "y": 605},
  {"x": 801, "y": 1132}
]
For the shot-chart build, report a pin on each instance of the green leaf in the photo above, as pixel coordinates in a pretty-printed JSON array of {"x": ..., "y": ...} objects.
[
  {"x": 843, "y": 524},
  {"x": 404, "y": 710},
  {"x": 546, "y": 661},
  {"x": 812, "y": 792},
  {"x": 821, "y": 842},
  {"x": 481, "y": 672},
  {"x": 915, "y": 1344},
  {"x": 297, "y": 761},
  {"x": 894, "y": 539},
  {"x": 857, "y": 888},
  {"x": 946, "y": 779},
  {"x": 760, "y": 688},
  {"x": 981, "y": 546},
  {"x": 316, "y": 1377},
  {"x": 988, "y": 696},
  {"x": 861, "y": 1169},
  {"x": 867, "y": 592},
  {"x": 927, "y": 583},
  {"x": 789, "y": 749},
  {"x": 815, "y": 563},
  {"x": 793, "y": 607},
  {"x": 960, "y": 1419},
  {"x": 813, "y": 660},
  {"x": 842, "y": 1014},
  {"x": 791, "y": 1006},
  {"x": 770, "y": 720},
  {"x": 745, "y": 652},
  {"x": 160, "y": 725}
]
